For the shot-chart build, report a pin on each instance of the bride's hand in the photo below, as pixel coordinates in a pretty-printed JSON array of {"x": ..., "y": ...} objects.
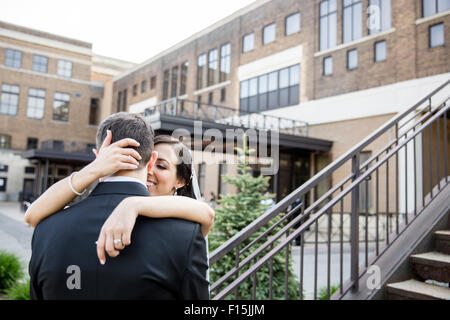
[
  {"x": 118, "y": 226},
  {"x": 114, "y": 157}
]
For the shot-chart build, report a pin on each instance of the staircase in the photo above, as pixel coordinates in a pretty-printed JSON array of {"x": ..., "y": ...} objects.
[
  {"x": 432, "y": 267},
  {"x": 408, "y": 179}
]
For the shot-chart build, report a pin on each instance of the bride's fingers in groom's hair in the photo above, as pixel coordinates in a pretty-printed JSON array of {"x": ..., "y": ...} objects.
[
  {"x": 107, "y": 140},
  {"x": 131, "y": 152},
  {"x": 127, "y": 142}
]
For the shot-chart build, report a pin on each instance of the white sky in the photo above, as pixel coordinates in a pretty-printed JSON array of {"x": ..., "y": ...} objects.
[{"x": 132, "y": 30}]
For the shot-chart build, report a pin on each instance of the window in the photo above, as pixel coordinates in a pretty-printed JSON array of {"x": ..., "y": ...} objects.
[
  {"x": 3, "y": 168},
  {"x": 166, "y": 84},
  {"x": 5, "y": 141},
  {"x": 437, "y": 35},
  {"x": 93, "y": 112},
  {"x": 380, "y": 51},
  {"x": 431, "y": 7},
  {"x": 64, "y": 68},
  {"x": 225, "y": 60},
  {"x": 61, "y": 107},
  {"x": 174, "y": 87},
  {"x": 152, "y": 82},
  {"x": 3, "y": 184},
  {"x": 124, "y": 102},
  {"x": 40, "y": 63},
  {"x": 269, "y": 33},
  {"x": 248, "y": 42},
  {"x": 119, "y": 100},
  {"x": 201, "y": 63},
  {"x": 135, "y": 90},
  {"x": 328, "y": 25},
  {"x": 13, "y": 58},
  {"x": 327, "y": 66},
  {"x": 222, "y": 95},
  {"x": 30, "y": 170},
  {"x": 352, "y": 20},
  {"x": 222, "y": 184},
  {"x": 9, "y": 100},
  {"x": 269, "y": 91},
  {"x": 352, "y": 59},
  {"x": 36, "y": 103},
  {"x": 212, "y": 67},
  {"x": 32, "y": 143},
  {"x": 293, "y": 24},
  {"x": 183, "y": 77},
  {"x": 201, "y": 176},
  {"x": 143, "y": 86},
  {"x": 379, "y": 15},
  {"x": 210, "y": 98}
]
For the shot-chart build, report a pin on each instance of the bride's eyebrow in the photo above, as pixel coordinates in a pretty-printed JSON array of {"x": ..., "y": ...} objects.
[{"x": 162, "y": 159}]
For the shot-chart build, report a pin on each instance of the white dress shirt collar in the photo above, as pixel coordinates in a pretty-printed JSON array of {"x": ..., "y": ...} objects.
[{"x": 123, "y": 179}]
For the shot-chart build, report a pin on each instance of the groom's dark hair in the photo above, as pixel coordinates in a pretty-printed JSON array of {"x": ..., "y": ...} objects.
[{"x": 129, "y": 125}]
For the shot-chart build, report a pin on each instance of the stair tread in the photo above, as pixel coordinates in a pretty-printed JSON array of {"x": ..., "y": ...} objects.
[
  {"x": 445, "y": 233},
  {"x": 433, "y": 256},
  {"x": 422, "y": 288}
]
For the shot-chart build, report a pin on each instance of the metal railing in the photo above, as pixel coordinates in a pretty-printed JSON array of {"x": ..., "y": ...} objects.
[
  {"x": 195, "y": 110},
  {"x": 407, "y": 169}
]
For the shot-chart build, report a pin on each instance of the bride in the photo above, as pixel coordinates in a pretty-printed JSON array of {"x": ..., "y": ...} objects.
[{"x": 171, "y": 175}]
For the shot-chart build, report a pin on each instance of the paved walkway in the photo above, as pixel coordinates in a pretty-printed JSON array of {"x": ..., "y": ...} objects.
[{"x": 15, "y": 234}]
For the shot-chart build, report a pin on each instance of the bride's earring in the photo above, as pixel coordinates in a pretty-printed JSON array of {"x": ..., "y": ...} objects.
[{"x": 175, "y": 193}]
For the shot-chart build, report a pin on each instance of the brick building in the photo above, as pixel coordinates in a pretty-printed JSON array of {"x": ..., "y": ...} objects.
[
  {"x": 52, "y": 98},
  {"x": 342, "y": 66}
]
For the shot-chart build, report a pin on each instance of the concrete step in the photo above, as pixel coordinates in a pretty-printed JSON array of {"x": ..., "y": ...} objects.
[
  {"x": 416, "y": 290},
  {"x": 432, "y": 266},
  {"x": 442, "y": 241}
]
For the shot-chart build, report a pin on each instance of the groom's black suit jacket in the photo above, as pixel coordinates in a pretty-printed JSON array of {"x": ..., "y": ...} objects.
[{"x": 166, "y": 259}]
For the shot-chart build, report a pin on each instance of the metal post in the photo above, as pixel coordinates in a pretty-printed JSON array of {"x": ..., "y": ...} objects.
[
  {"x": 354, "y": 238},
  {"x": 45, "y": 176}
]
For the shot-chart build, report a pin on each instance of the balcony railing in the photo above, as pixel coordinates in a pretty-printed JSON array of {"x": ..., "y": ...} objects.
[{"x": 198, "y": 111}]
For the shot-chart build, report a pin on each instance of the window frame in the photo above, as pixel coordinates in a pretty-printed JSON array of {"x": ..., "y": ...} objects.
[
  {"x": 299, "y": 23},
  {"x": 13, "y": 60},
  {"x": 327, "y": 16},
  {"x": 61, "y": 97},
  {"x": 244, "y": 37},
  {"x": 375, "y": 51},
  {"x": 37, "y": 64},
  {"x": 9, "y": 94},
  {"x": 64, "y": 71},
  {"x": 34, "y": 97},
  {"x": 429, "y": 35},
  {"x": 325, "y": 59},
  {"x": 264, "y": 33},
  {"x": 348, "y": 59}
]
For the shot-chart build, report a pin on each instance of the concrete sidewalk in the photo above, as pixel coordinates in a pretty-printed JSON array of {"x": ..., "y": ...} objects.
[{"x": 15, "y": 234}]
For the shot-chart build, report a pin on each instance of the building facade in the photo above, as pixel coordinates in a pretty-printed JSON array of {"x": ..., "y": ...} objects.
[
  {"x": 342, "y": 66},
  {"x": 52, "y": 98}
]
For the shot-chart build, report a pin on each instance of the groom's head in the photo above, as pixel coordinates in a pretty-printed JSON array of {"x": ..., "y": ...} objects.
[{"x": 128, "y": 125}]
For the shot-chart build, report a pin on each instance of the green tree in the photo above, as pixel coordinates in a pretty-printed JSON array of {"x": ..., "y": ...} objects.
[{"x": 234, "y": 213}]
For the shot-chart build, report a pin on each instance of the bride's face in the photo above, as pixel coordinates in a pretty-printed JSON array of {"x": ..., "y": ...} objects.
[{"x": 162, "y": 178}]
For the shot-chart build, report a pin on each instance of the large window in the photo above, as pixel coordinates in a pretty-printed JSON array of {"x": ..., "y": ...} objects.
[
  {"x": 352, "y": 20},
  {"x": 212, "y": 67},
  {"x": 143, "y": 86},
  {"x": 61, "y": 106},
  {"x": 201, "y": 69},
  {"x": 437, "y": 35},
  {"x": 40, "y": 63},
  {"x": 380, "y": 15},
  {"x": 328, "y": 24},
  {"x": 166, "y": 84},
  {"x": 248, "y": 42},
  {"x": 270, "y": 91},
  {"x": 225, "y": 60},
  {"x": 183, "y": 78},
  {"x": 9, "y": 100},
  {"x": 5, "y": 141},
  {"x": 431, "y": 7},
  {"x": 13, "y": 58},
  {"x": 36, "y": 103},
  {"x": 152, "y": 82},
  {"x": 269, "y": 33},
  {"x": 174, "y": 86},
  {"x": 32, "y": 143},
  {"x": 64, "y": 68},
  {"x": 293, "y": 24}
]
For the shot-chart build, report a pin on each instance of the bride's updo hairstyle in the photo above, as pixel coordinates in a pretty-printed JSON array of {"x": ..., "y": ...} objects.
[{"x": 183, "y": 165}]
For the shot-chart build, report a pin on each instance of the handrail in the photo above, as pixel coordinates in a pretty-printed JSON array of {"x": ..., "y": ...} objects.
[
  {"x": 314, "y": 181},
  {"x": 316, "y": 216}
]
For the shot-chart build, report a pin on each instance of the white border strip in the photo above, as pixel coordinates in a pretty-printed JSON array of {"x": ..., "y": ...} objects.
[{"x": 435, "y": 16}]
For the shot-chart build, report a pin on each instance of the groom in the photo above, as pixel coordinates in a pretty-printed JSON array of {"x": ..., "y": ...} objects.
[{"x": 167, "y": 257}]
